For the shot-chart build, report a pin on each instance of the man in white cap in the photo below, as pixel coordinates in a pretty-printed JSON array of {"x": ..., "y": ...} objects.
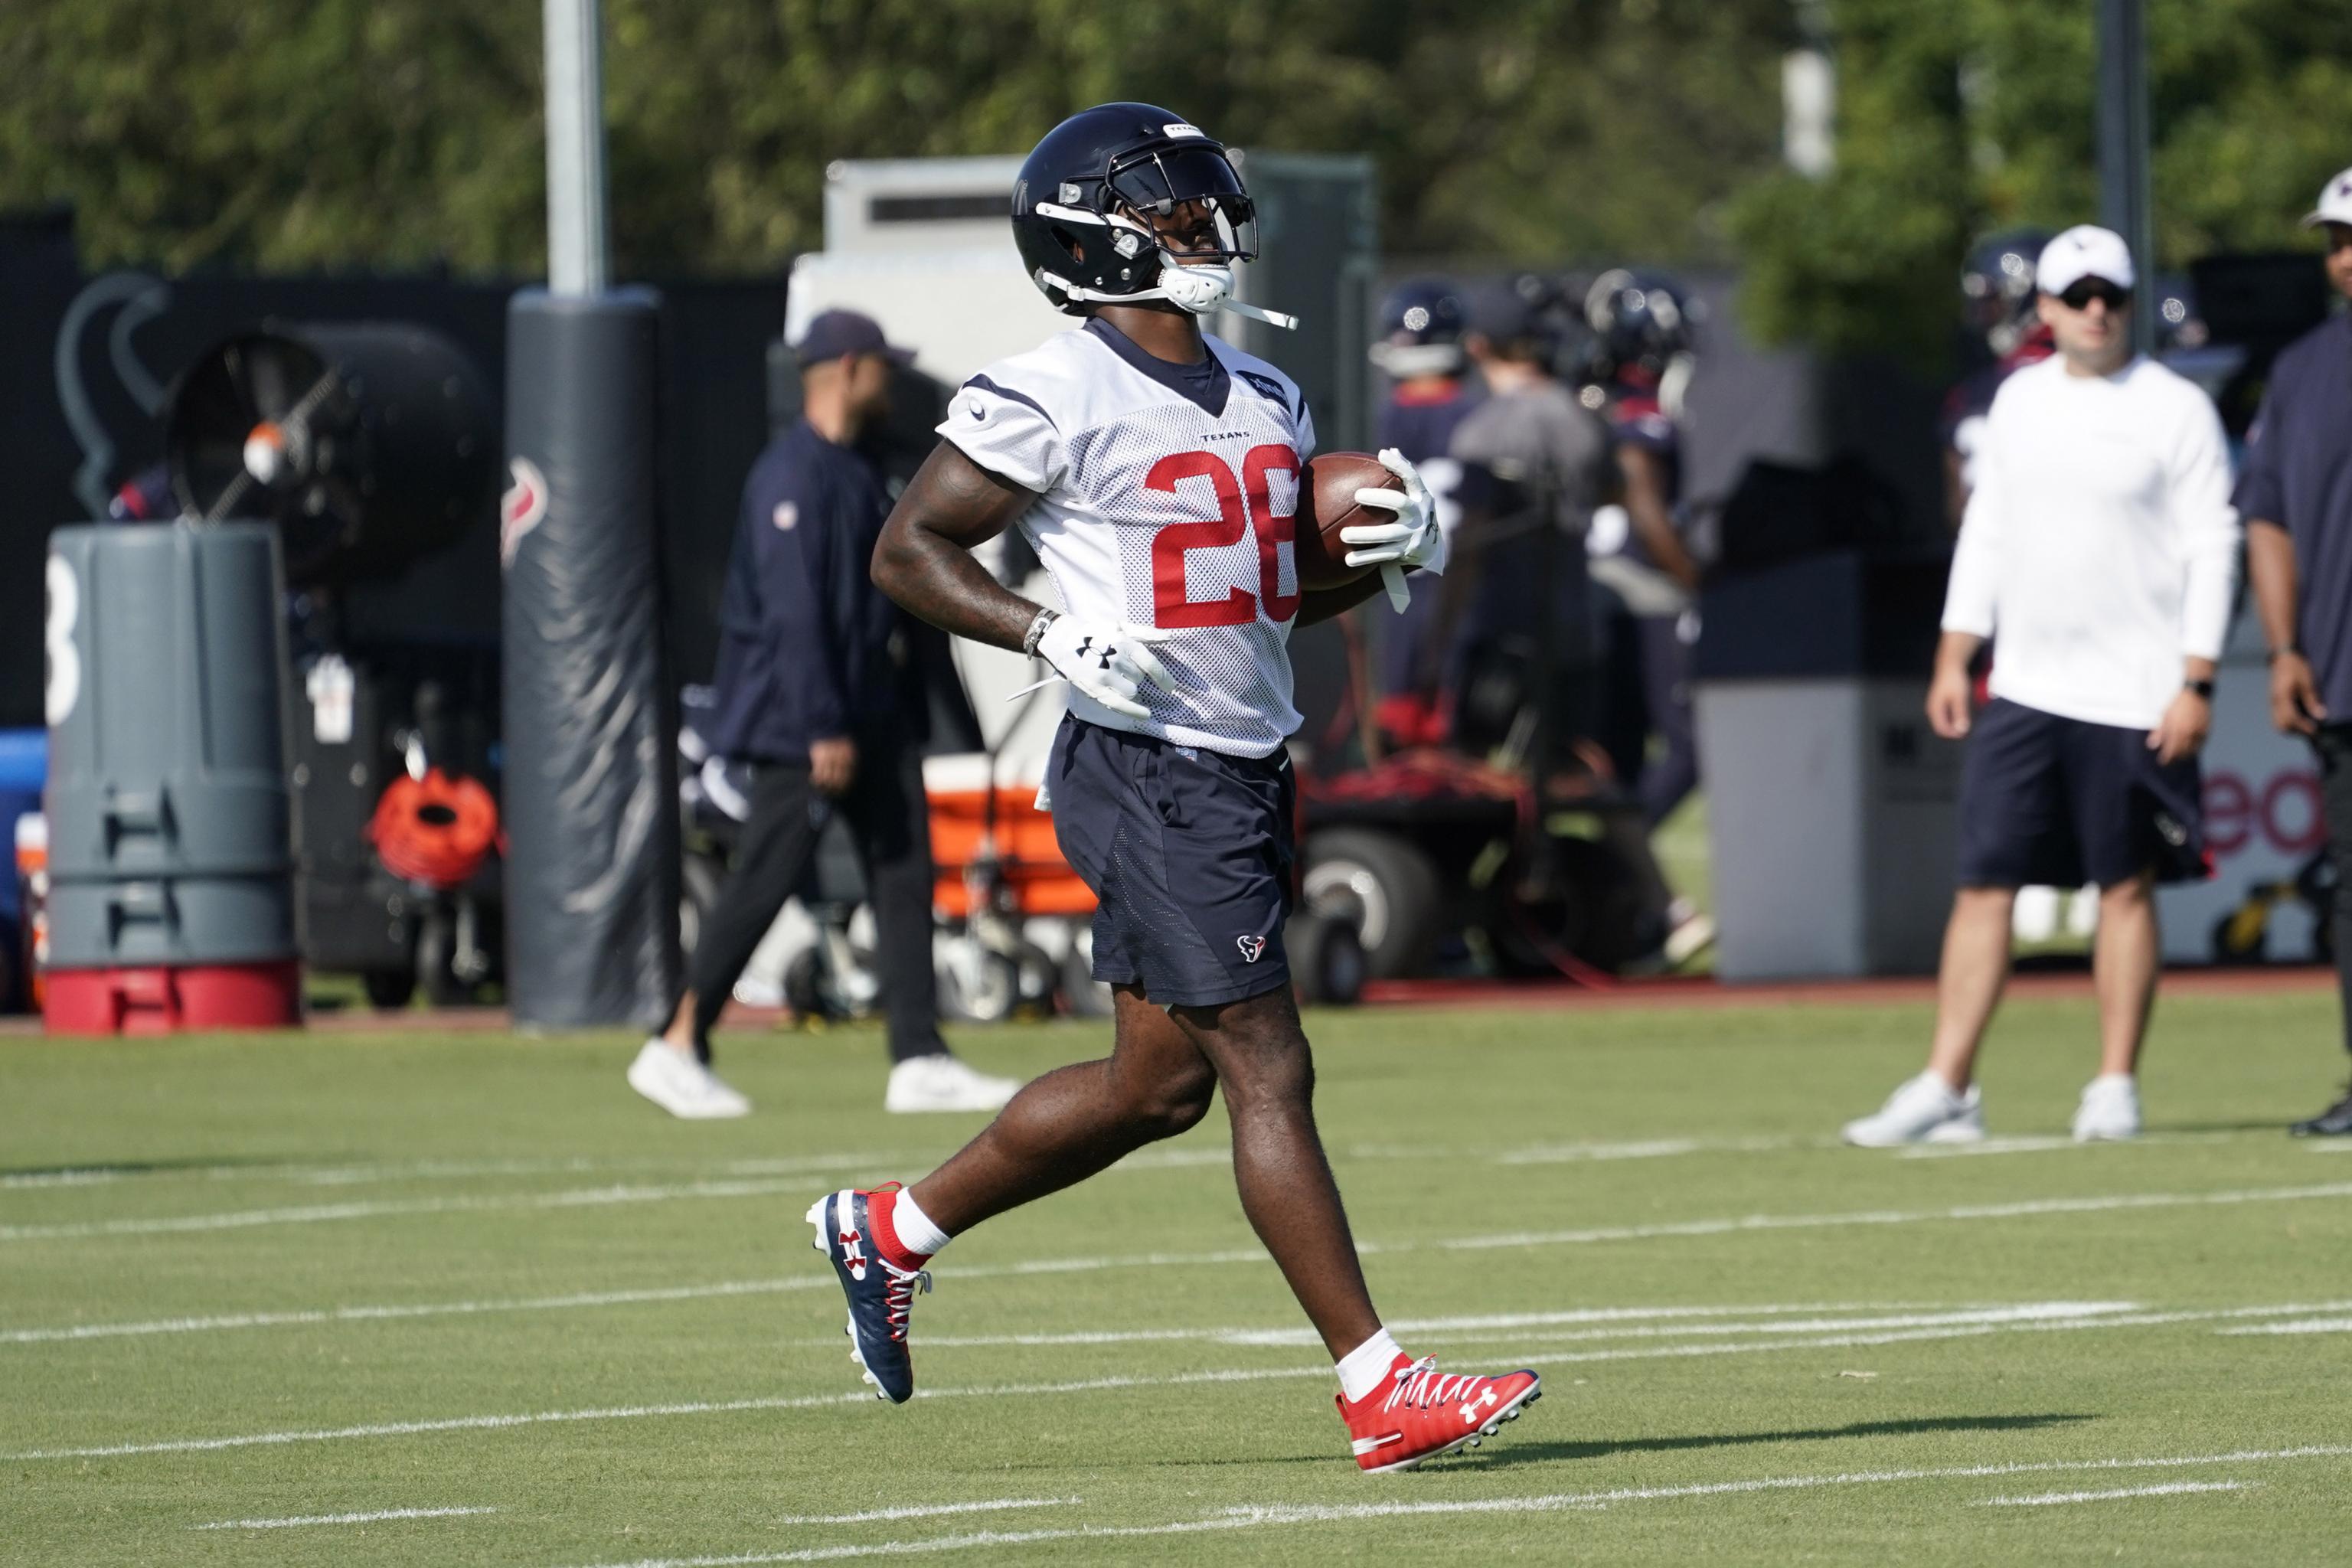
[
  {"x": 2099, "y": 544},
  {"x": 2295, "y": 494}
]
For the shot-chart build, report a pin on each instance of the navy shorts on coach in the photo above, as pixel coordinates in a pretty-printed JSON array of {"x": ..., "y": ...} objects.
[
  {"x": 2052, "y": 802},
  {"x": 1189, "y": 853}
]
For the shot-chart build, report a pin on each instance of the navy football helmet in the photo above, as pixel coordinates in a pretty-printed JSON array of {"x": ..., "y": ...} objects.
[
  {"x": 1421, "y": 329},
  {"x": 1997, "y": 287},
  {"x": 1640, "y": 322},
  {"x": 1125, "y": 202}
]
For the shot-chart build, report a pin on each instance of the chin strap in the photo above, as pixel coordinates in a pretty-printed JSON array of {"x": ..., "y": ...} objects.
[
  {"x": 1271, "y": 318},
  {"x": 1200, "y": 303}
]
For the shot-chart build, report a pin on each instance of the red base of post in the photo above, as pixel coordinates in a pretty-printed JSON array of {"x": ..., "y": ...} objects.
[{"x": 167, "y": 1000}]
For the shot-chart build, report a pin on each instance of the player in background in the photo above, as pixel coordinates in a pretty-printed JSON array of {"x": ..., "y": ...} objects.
[
  {"x": 1996, "y": 298},
  {"x": 1639, "y": 359},
  {"x": 1155, "y": 470},
  {"x": 1997, "y": 303},
  {"x": 1419, "y": 350}
]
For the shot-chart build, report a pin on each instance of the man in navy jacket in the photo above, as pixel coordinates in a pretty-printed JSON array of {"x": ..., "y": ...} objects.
[
  {"x": 2295, "y": 493},
  {"x": 815, "y": 689}
]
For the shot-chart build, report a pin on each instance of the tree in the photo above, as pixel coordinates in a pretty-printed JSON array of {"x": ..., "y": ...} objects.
[
  {"x": 290, "y": 133},
  {"x": 1979, "y": 114}
]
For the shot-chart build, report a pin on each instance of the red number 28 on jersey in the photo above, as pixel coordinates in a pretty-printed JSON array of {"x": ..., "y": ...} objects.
[{"x": 1170, "y": 606}]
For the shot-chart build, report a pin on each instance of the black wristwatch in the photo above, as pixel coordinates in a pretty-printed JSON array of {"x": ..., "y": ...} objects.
[{"x": 2202, "y": 688}]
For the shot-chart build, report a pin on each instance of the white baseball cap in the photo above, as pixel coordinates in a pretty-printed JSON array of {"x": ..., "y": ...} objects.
[
  {"x": 2086, "y": 250},
  {"x": 2335, "y": 203}
]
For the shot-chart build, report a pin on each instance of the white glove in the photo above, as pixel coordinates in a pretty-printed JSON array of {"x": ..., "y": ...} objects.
[
  {"x": 1412, "y": 539},
  {"x": 1108, "y": 663}
]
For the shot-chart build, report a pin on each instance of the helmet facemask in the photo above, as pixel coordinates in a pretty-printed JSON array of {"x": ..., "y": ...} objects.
[{"x": 1188, "y": 204}]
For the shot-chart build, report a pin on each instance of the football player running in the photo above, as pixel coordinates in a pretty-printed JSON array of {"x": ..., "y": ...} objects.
[{"x": 1156, "y": 470}]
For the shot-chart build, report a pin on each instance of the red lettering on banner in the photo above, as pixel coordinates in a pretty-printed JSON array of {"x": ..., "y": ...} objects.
[
  {"x": 2284, "y": 814},
  {"x": 2294, "y": 838},
  {"x": 2229, "y": 813}
]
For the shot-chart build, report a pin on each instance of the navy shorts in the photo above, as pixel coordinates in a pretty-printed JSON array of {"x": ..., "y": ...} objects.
[
  {"x": 1189, "y": 853},
  {"x": 2052, "y": 802}
]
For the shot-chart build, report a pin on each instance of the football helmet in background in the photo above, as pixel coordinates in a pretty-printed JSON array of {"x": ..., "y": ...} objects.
[
  {"x": 1126, "y": 202},
  {"x": 1997, "y": 287},
  {"x": 1422, "y": 323}
]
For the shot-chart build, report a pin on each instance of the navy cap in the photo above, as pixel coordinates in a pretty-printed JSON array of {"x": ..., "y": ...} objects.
[{"x": 836, "y": 333}]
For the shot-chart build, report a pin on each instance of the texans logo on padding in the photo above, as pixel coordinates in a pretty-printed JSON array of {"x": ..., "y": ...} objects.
[
  {"x": 521, "y": 508},
  {"x": 1253, "y": 947}
]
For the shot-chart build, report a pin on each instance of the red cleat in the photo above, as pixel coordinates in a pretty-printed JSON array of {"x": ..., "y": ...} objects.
[{"x": 1420, "y": 1413}]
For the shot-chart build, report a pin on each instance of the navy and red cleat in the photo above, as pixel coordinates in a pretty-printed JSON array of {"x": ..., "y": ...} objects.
[
  {"x": 880, "y": 1294},
  {"x": 1418, "y": 1415}
]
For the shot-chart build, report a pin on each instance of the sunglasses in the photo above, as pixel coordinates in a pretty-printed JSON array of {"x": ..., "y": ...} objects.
[{"x": 2079, "y": 296}]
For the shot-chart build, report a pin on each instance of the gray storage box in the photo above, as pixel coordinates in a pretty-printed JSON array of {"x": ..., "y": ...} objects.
[{"x": 167, "y": 800}]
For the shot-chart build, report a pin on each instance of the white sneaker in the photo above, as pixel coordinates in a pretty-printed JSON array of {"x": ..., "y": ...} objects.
[
  {"x": 1690, "y": 931},
  {"x": 943, "y": 1082},
  {"x": 2110, "y": 1108},
  {"x": 1923, "y": 1110},
  {"x": 682, "y": 1086}
]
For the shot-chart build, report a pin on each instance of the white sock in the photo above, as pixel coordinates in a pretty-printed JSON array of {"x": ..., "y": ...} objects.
[
  {"x": 915, "y": 1230},
  {"x": 1367, "y": 1366}
]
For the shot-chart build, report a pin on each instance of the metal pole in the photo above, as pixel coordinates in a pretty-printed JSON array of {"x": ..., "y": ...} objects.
[
  {"x": 577, "y": 235},
  {"x": 2124, "y": 200}
]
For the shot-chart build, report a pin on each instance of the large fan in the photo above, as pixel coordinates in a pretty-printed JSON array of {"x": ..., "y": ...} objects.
[{"x": 367, "y": 445}]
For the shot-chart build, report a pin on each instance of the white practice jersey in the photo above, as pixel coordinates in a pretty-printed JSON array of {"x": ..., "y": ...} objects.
[{"x": 1166, "y": 495}]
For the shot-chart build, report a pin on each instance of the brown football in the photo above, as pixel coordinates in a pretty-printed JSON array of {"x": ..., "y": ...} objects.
[{"x": 1327, "y": 503}]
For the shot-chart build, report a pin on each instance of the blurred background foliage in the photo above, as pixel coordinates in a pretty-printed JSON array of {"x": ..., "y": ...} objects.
[{"x": 399, "y": 133}]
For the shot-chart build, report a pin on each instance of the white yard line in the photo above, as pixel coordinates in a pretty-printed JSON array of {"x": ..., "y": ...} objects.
[
  {"x": 1649, "y": 1149},
  {"x": 2030, "y": 1207},
  {"x": 2169, "y": 1489},
  {"x": 387, "y": 1312},
  {"x": 2299, "y": 1326},
  {"x": 341, "y": 1518},
  {"x": 2022, "y": 1323},
  {"x": 1287, "y": 1338},
  {"x": 2020, "y": 1312},
  {"x": 2051, "y": 1143},
  {"x": 1093, "y": 1385},
  {"x": 311, "y": 1174},
  {"x": 641, "y": 1412},
  {"x": 1339, "y": 1513},
  {"x": 594, "y": 1196},
  {"x": 1230, "y": 1334},
  {"x": 930, "y": 1511},
  {"x": 313, "y": 1213}
]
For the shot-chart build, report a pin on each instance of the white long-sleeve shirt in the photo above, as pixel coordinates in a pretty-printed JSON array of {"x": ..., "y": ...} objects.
[{"x": 2099, "y": 546}]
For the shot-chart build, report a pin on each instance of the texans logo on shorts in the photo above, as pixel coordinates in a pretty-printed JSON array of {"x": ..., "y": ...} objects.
[{"x": 1253, "y": 947}]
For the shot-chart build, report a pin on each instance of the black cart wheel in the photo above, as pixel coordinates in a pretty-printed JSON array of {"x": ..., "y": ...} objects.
[
  {"x": 1384, "y": 886},
  {"x": 1326, "y": 959},
  {"x": 389, "y": 989}
]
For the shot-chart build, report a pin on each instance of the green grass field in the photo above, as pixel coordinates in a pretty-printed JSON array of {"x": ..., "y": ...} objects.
[{"x": 473, "y": 1279}]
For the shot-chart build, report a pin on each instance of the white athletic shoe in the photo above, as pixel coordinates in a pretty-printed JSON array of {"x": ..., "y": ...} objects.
[
  {"x": 682, "y": 1086},
  {"x": 1923, "y": 1110},
  {"x": 943, "y": 1082},
  {"x": 2110, "y": 1108}
]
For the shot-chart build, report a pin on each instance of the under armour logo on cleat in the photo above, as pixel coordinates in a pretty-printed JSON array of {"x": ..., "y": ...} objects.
[
  {"x": 853, "y": 1256},
  {"x": 1470, "y": 1408},
  {"x": 1253, "y": 947}
]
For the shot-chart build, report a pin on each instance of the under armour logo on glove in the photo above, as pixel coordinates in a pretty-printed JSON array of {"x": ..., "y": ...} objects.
[
  {"x": 1111, "y": 671},
  {"x": 1253, "y": 947}
]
